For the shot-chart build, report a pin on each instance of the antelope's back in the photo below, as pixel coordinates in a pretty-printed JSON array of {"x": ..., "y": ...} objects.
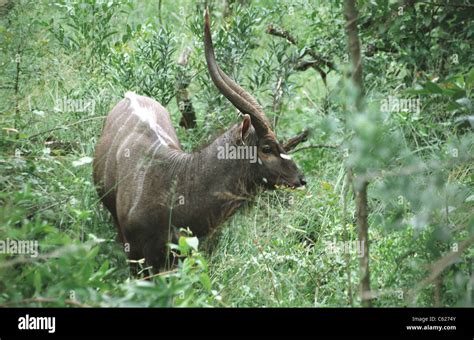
[{"x": 137, "y": 130}]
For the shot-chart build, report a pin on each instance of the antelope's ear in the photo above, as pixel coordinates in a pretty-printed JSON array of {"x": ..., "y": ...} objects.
[{"x": 245, "y": 127}]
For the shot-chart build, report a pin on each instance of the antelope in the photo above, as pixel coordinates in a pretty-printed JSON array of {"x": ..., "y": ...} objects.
[{"x": 152, "y": 187}]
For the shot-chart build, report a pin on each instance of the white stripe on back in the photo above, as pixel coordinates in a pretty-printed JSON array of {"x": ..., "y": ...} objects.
[
  {"x": 148, "y": 117},
  {"x": 141, "y": 176}
]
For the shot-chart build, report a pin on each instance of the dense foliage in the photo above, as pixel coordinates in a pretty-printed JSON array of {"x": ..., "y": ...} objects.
[{"x": 64, "y": 64}]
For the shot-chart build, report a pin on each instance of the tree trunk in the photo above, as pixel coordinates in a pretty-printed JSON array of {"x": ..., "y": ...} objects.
[
  {"x": 360, "y": 187},
  {"x": 185, "y": 106}
]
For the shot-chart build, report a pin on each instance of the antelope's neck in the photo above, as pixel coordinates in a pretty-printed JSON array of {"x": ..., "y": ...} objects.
[{"x": 209, "y": 189}]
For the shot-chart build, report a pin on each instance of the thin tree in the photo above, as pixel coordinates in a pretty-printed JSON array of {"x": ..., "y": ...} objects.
[{"x": 359, "y": 185}]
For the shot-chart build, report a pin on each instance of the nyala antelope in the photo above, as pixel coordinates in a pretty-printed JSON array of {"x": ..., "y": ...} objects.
[{"x": 140, "y": 170}]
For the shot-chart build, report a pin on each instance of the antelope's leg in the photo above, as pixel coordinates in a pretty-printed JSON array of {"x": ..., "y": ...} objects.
[
  {"x": 120, "y": 235},
  {"x": 133, "y": 252},
  {"x": 149, "y": 242},
  {"x": 156, "y": 252},
  {"x": 133, "y": 249}
]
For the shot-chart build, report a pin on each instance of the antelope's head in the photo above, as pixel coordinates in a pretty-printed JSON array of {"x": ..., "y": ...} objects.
[{"x": 274, "y": 167}]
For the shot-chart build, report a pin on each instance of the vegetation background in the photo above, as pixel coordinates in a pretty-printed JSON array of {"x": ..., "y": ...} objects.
[{"x": 64, "y": 64}]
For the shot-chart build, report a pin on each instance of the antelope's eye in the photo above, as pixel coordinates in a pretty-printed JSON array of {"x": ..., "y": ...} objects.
[{"x": 266, "y": 149}]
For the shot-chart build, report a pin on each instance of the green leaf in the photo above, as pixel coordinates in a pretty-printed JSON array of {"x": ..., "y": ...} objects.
[
  {"x": 104, "y": 267},
  {"x": 206, "y": 281},
  {"x": 37, "y": 281},
  {"x": 92, "y": 253},
  {"x": 470, "y": 79},
  {"x": 182, "y": 243},
  {"x": 433, "y": 88},
  {"x": 193, "y": 242}
]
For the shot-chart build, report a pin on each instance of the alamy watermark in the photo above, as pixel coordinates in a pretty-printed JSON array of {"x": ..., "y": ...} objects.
[
  {"x": 74, "y": 105},
  {"x": 19, "y": 247},
  {"x": 229, "y": 151},
  {"x": 395, "y": 104},
  {"x": 28, "y": 322},
  {"x": 345, "y": 247}
]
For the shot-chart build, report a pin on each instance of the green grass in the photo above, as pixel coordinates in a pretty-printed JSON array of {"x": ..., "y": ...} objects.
[{"x": 273, "y": 252}]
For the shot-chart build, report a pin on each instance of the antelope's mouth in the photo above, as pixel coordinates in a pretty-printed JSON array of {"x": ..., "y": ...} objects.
[
  {"x": 283, "y": 183},
  {"x": 287, "y": 186}
]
